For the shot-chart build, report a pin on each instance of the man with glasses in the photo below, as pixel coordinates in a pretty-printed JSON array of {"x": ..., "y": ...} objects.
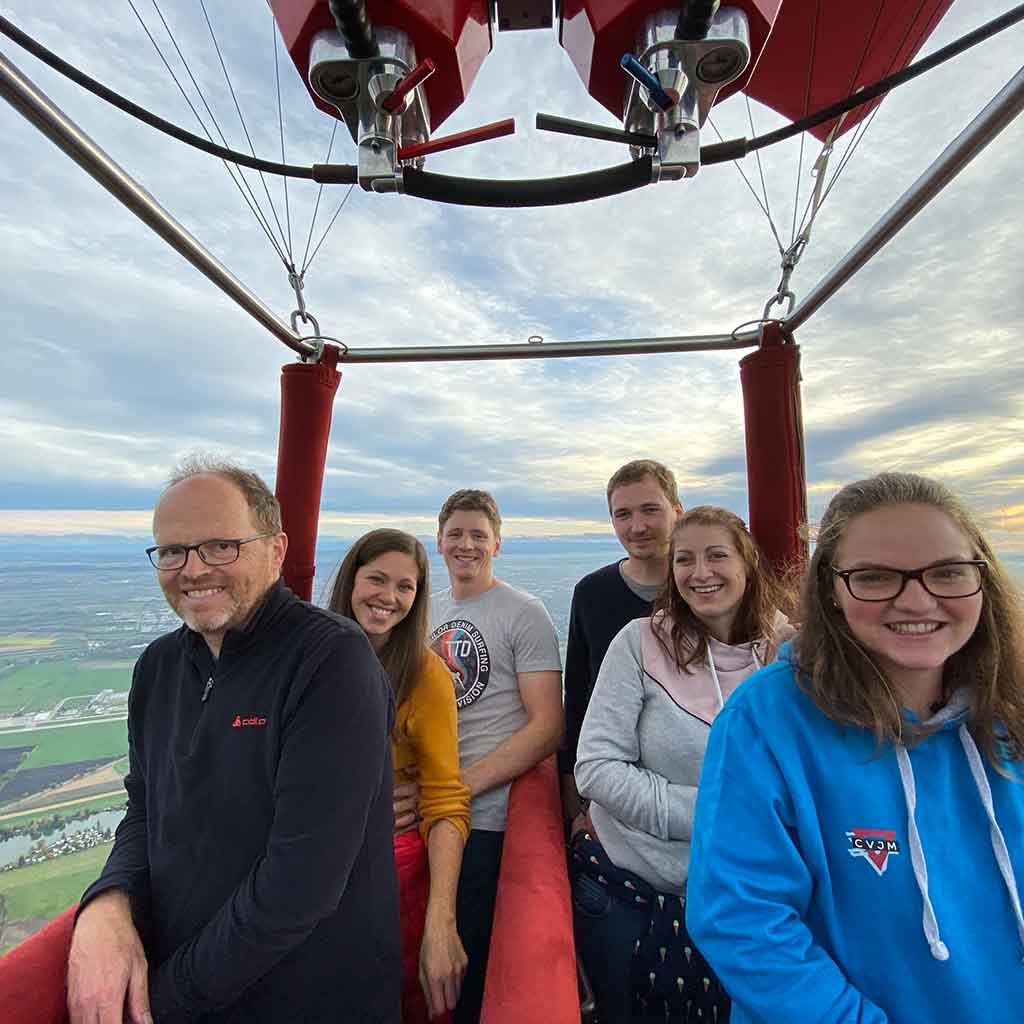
[{"x": 252, "y": 878}]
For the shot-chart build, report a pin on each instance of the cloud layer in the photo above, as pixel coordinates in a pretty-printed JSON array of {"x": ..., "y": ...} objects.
[{"x": 120, "y": 357}]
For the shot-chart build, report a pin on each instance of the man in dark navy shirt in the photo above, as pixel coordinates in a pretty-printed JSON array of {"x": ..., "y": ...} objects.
[
  {"x": 643, "y": 502},
  {"x": 253, "y": 877}
]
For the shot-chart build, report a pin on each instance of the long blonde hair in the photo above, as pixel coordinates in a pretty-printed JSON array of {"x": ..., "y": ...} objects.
[{"x": 843, "y": 679}]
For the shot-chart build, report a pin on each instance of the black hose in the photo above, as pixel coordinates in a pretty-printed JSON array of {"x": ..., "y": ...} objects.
[
  {"x": 695, "y": 19},
  {"x": 486, "y": 192},
  {"x": 575, "y": 188},
  {"x": 115, "y": 99},
  {"x": 354, "y": 25}
]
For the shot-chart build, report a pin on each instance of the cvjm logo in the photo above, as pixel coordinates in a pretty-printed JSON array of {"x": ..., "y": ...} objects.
[
  {"x": 240, "y": 721},
  {"x": 875, "y": 845}
]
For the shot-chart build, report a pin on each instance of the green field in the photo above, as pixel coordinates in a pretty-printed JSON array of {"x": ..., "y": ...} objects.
[
  {"x": 59, "y": 745},
  {"x": 44, "y": 890},
  {"x": 40, "y": 687}
]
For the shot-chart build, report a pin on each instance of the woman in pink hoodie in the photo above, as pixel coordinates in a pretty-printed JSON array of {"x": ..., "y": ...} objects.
[{"x": 661, "y": 684}]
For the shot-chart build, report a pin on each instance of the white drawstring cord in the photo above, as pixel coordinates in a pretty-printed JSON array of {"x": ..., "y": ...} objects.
[
  {"x": 931, "y": 925},
  {"x": 1002, "y": 854}
]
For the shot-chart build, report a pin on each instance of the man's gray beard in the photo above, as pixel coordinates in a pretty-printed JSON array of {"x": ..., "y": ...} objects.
[{"x": 214, "y": 626}]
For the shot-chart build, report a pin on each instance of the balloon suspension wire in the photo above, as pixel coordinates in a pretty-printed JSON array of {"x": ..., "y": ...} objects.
[
  {"x": 240, "y": 182},
  {"x": 245, "y": 129},
  {"x": 753, "y": 191},
  {"x": 280, "y": 128},
  {"x": 316, "y": 205}
]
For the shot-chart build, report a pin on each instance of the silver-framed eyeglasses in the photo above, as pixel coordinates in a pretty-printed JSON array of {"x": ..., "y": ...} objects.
[
  {"x": 948, "y": 580},
  {"x": 170, "y": 557}
]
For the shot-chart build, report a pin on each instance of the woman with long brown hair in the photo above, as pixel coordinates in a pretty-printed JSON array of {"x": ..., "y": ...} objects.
[
  {"x": 383, "y": 583},
  {"x": 661, "y": 685},
  {"x": 860, "y": 825}
]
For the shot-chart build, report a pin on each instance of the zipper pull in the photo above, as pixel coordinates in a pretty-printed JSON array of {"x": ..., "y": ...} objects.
[{"x": 206, "y": 690}]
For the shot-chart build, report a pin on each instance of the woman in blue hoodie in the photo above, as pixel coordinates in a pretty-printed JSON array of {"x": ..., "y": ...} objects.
[{"x": 859, "y": 828}]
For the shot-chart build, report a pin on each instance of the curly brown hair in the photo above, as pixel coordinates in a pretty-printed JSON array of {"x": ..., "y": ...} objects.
[
  {"x": 840, "y": 675},
  {"x": 403, "y": 654},
  {"x": 680, "y": 632}
]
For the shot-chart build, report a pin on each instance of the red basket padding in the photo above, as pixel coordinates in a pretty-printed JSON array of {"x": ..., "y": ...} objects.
[
  {"x": 531, "y": 973},
  {"x": 33, "y": 975},
  {"x": 776, "y": 485}
]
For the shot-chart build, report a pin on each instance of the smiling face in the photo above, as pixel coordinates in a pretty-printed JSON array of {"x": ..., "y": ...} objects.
[
  {"x": 468, "y": 544},
  {"x": 710, "y": 575},
  {"x": 215, "y": 598},
  {"x": 383, "y": 593},
  {"x": 911, "y": 637},
  {"x": 643, "y": 517}
]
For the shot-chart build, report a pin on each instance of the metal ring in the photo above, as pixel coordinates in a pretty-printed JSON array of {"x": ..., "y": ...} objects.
[
  {"x": 306, "y": 317},
  {"x": 759, "y": 321},
  {"x": 318, "y": 340},
  {"x": 778, "y": 297}
]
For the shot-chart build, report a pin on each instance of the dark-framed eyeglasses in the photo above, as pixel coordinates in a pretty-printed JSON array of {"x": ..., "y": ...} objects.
[
  {"x": 170, "y": 557},
  {"x": 948, "y": 580}
]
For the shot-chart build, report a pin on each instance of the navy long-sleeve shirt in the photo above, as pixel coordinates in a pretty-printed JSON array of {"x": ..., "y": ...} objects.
[
  {"x": 602, "y": 603},
  {"x": 256, "y": 848}
]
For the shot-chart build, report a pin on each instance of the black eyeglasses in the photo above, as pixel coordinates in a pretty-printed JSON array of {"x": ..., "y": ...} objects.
[
  {"x": 169, "y": 557},
  {"x": 880, "y": 583}
]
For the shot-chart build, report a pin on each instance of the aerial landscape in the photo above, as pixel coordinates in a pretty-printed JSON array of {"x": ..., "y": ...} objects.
[{"x": 917, "y": 367}]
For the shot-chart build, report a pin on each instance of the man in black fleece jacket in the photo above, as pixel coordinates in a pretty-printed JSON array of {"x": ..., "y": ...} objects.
[{"x": 253, "y": 877}]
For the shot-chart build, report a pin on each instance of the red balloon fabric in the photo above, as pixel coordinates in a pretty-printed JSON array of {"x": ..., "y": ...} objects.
[{"x": 820, "y": 52}]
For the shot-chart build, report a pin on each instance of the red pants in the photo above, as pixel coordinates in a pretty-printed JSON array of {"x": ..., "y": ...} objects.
[{"x": 414, "y": 891}]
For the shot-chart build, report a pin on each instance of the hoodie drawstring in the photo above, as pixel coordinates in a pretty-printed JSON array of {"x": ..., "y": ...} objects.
[
  {"x": 714, "y": 679},
  {"x": 931, "y": 925},
  {"x": 1002, "y": 854},
  {"x": 714, "y": 672}
]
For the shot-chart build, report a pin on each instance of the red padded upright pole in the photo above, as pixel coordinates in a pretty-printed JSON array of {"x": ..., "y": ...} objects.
[
  {"x": 531, "y": 971},
  {"x": 776, "y": 482},
  {"x": 307, "y": 399}
]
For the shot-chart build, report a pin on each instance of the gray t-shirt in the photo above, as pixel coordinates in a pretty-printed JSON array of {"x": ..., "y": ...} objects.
[
  {"x": 486, "y": 641},
  {"x": 645, "y": 591}
]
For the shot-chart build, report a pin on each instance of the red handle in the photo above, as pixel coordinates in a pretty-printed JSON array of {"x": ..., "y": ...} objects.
[
  {"x": 466, "y": 138},
  {"x": 420, "y": 73}
]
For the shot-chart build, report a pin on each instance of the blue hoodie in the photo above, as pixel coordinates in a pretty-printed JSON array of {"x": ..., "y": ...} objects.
[{"x": 833, "y": 882}]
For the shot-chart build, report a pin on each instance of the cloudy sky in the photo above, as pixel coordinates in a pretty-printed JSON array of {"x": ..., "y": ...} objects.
[{"x": 119, "y": 357}]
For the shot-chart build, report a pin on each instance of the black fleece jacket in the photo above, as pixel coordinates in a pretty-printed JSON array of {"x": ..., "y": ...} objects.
[{"x": 256, "y": 848}]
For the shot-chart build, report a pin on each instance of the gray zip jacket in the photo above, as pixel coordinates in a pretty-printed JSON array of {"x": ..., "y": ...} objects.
[{"x": 642, "y": 745}]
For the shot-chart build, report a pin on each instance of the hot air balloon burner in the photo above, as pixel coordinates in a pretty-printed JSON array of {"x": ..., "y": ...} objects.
[
  {"x": 360, "y": 88},
  {"x": 674, "y": 82}
]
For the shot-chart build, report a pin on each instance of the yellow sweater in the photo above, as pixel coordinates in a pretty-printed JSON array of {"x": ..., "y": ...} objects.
[{"x": 426, "y": 735}]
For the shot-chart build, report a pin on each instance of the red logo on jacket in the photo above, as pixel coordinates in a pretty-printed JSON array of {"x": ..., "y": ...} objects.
[
  {"x": 253, "y": 720},
  {"x": 875, "y": 845}
]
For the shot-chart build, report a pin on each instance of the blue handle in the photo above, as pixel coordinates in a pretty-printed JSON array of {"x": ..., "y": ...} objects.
[{"x": 647, "y": 79}]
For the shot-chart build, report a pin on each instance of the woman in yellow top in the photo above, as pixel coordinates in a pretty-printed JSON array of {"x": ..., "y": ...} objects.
[{"x": 383, "y": 585}]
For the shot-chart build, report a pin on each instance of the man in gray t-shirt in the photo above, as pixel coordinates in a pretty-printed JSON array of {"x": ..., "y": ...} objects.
[
  {"x": 500, "y": 645},
  {"x": 488, "y": 642}
]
